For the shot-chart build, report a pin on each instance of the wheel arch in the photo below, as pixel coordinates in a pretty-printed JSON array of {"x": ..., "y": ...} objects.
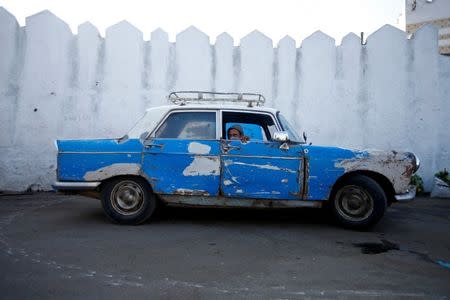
[
  {"x": 123, "y": 176},
  {"x": 96, "y": 193},
  {"x": 382, "y": 180}
]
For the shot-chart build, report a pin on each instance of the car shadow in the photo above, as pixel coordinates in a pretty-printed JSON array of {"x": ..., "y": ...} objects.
[
  {"x": 312, "y": 217},
  {"x": 243, "y": 216}
]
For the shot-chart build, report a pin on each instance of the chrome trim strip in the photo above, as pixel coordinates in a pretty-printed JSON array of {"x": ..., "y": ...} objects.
[
  {"x": 417, "y": 162},
  {"x": 408, "y": 196},
  {"x": 74, "y": 152},
  {"x": 262, "y": 156},
  {"x": 219, "y": 125},
  {"x": 69, "y": 185}
]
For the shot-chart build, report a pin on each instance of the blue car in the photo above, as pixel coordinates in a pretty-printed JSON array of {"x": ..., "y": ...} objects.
[{"x": 227, "y": 150}]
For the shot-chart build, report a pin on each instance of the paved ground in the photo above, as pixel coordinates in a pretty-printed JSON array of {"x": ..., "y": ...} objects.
[{"x": 58, "y": 247}]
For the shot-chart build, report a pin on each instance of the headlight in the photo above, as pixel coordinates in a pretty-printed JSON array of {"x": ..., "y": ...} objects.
[{"x": 417, "y": 161}]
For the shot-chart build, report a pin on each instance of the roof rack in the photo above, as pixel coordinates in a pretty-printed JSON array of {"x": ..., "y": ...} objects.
[{"x": 183, "y": 97}]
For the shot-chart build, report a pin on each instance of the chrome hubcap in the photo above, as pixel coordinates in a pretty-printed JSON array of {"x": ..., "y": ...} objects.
[
  {"x": 127, "y": 197},
  {"x": 354, "y": 203}
]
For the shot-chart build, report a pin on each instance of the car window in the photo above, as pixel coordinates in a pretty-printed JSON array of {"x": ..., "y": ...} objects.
[
  {"x": 253, "y": 131},
  {"x": 289, "y": 128},
  {"x": 188, "y": 125},
  {"x": 254, "y": 125}
]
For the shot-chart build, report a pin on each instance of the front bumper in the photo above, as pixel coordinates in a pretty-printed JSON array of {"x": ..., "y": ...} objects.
[
  {"x": 408, "y": 196},
  {"x": 75, "y": 186}
]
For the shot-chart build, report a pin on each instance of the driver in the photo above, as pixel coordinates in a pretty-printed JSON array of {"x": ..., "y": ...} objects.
[{"x": 236, "y": 132}]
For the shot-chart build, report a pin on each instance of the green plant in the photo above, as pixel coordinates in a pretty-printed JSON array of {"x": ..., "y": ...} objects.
[
  {"x": 443, "y": 175},
  {"x": 418, "y": 182}
]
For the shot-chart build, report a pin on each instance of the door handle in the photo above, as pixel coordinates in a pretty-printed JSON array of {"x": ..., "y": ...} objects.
[
  {"x": 153, "y": 145},
  {"x": 228, "y": 148}
]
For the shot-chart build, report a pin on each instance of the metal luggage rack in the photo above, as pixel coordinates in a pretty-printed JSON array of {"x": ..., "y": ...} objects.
[{"x": 184, "y": 97}]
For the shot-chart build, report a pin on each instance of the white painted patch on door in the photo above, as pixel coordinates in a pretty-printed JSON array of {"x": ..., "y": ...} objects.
[
  {"x": 198, "y": 148},
  {"x": 203, "y": 166}
]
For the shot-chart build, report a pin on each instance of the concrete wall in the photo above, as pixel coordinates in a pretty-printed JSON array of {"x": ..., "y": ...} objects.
[{"x": 392, "y": 93}]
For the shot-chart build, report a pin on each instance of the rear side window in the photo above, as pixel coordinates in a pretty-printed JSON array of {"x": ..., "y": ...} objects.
[{"x": 189, "y": 125}]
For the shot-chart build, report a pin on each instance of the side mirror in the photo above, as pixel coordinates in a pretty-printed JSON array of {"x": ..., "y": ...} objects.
[
  {"x": 305, "y": 137},
  {"x": 281, "y": 136}
]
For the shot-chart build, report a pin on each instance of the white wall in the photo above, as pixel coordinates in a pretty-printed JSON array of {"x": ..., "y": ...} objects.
[{"x": 392, "y": 93}]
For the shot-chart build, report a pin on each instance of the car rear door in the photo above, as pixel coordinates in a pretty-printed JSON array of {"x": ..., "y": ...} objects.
[{"x": 182, "y": 156}]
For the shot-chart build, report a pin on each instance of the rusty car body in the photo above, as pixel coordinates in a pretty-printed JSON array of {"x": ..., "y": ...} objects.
[{"x": 179, "y": 155}]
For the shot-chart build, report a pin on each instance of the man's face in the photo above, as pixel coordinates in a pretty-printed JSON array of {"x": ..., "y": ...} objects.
[{"x": 234, "y": 134}]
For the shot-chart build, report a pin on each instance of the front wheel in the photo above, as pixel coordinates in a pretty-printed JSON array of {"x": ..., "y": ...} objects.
[
  {"x": 128, "y": 200},
  {"x": 359, "y": 202}
]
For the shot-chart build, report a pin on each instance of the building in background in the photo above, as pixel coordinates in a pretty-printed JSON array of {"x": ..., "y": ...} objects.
[{"x": 436, "y": 12}]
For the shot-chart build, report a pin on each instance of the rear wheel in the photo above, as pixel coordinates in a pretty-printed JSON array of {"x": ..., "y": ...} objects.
[
  {"x": 359, "y": 202},
  {"x": 128, "y": 200}
]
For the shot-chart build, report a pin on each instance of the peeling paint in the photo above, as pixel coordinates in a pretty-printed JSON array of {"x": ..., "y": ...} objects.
[
  {"x": 198, "y": 148},
  {"x": 396, "y": 166},
  {"x": 190, "y": 192},
  {"x": 113, "y": 170},
  {"x": 227, "y": 182},
  {"x": 186, "y": 164},
  {"x": 284, "y": 180},
  {"x": 267, "y": 166},
  {"x": 256, "y": 169},
  {"x": 203, "y": 166}
]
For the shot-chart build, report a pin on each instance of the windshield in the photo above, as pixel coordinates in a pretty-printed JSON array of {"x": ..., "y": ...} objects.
[
  {"x": 293, "y": 136},
  {"x": 139, "y": 127},
  {"x": 148, "y": 122}
]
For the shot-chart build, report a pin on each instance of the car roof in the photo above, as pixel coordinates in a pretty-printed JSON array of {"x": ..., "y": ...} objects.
[{"x": 192, "y": 106}]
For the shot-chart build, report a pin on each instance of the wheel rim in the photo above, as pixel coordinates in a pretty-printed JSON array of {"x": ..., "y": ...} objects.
[
  {"x": 127, "y": 197},
  {"x": 354, "y": 203}
]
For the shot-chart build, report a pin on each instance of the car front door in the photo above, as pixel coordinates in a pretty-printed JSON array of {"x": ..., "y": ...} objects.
[
  {"x": 260, "y": 168},
  {"x": 182, "y": 156}
]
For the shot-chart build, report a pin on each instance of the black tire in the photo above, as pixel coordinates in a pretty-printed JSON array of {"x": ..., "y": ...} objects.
[
  {"x": 358, "y": 203},
  {"x": 128, "y": 200}
]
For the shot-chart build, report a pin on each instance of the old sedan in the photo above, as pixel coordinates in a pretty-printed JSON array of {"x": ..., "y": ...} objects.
[{"x": 205, "y": 151}]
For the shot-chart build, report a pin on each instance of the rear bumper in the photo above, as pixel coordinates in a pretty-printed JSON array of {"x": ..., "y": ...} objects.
[
  {"x": 75, "y": 186},
  {"x": 408, "y": 196}
]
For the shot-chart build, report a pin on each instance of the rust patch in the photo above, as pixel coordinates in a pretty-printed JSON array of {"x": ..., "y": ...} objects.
[
  {"x": 409, "y": 171},
  {"x": 189, "y": 192},
  {"x": 122, "y": 139},
  {"x": 305, "y": 177},
  {"x": 224, "y": 202}
]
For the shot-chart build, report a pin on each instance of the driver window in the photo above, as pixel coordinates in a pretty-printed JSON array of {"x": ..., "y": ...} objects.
[
  {"x": 253, "y": 126},
  {"x": 188, "y": 125},
  {"x": 252, "y": 131}
]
